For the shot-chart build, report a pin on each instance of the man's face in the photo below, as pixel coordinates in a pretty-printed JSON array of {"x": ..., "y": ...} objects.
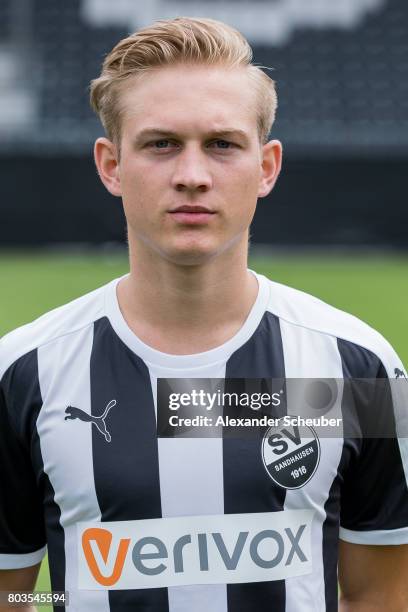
[{"x": 191, "y": 162}]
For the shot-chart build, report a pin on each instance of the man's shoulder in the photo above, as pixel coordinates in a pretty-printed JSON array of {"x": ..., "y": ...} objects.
[
  {"x": 50, "y": 326},
  {"x": 307, "y": 311}
]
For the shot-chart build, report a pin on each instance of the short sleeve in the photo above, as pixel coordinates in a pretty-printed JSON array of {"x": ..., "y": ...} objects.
[
  {"x": 22, "y": 533},
  {"x": 374, "y": 497}
]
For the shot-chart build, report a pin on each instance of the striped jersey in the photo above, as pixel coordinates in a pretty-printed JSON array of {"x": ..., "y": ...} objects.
[{"x": 133, "y": 521}]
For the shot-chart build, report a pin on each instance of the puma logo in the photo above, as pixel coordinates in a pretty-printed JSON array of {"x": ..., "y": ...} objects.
[
  {"x": 98, "y": 421},
  {"x": 399, "y": 373}
]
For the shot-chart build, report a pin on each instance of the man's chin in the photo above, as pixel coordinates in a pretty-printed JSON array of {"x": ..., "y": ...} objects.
[
  {"x": 190, "y": 257},
  {"x": 201, "y": 253},
  {"x": 192, "y": 252}
]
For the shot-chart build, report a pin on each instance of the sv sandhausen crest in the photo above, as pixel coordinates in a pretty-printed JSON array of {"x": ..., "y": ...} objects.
[{"x": 290, "y": 454}]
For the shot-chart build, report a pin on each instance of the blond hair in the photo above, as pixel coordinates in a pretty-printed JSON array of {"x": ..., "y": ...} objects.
[{"x": 177, "y": 41}]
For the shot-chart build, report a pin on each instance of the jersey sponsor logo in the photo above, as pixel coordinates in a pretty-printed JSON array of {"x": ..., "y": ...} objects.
[
  {"x": 228, "y": 548},
  {"x": 290, "y": 454},
  {"x": 399, "y": 373},
  {"x": 99, "y": 421}
]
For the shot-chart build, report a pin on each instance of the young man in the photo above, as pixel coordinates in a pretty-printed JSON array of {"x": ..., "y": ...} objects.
[{"x": 137, "y": 522}]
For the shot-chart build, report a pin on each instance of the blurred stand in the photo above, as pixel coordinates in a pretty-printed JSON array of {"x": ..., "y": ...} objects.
[
  {"x": 341, "y": 69},
  {"x": 19, "y": 100}
]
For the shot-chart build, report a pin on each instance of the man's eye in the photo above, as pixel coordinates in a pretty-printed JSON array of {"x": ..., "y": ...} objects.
[
  {"x": 222, "y": 144},
  {"x": 161, "y": 144}
]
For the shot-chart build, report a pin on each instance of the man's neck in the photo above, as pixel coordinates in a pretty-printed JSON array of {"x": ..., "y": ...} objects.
[{"x": 183, "y": 310}]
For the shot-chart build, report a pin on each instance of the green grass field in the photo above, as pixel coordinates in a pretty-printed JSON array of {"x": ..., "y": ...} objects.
[{"x": 374, "y": 288}]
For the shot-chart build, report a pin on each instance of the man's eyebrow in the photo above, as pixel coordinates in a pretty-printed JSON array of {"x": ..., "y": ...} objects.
[{"x": 162, "y": 132}]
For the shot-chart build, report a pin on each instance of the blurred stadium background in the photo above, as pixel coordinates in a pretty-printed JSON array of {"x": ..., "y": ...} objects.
[
  {"x": 335, "y": 225},
  {"x": 342, "y": 74}
]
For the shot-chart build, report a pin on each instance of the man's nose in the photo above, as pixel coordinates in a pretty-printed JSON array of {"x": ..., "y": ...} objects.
[{"x": 192, "y": 171}]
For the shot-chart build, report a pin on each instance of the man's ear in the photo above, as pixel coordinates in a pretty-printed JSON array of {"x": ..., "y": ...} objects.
[
  {"x": 106, "y": 160},
  {"x": 271, "y": 166}
]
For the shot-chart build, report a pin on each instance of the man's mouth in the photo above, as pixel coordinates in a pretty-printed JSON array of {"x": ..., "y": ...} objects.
[{"x": 190, "y": 215}]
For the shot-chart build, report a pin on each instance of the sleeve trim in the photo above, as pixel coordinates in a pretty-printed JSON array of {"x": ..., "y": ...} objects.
[
  {"x": 19, "y": 561},
  {"x": 380, "y": 537}
]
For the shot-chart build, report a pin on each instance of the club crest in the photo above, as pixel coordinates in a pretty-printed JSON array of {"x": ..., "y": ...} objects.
[{"x": 290, "y": 454}]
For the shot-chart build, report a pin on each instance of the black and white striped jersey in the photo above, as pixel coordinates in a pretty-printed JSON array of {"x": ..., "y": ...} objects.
[{"x": 136, "y": 522}]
